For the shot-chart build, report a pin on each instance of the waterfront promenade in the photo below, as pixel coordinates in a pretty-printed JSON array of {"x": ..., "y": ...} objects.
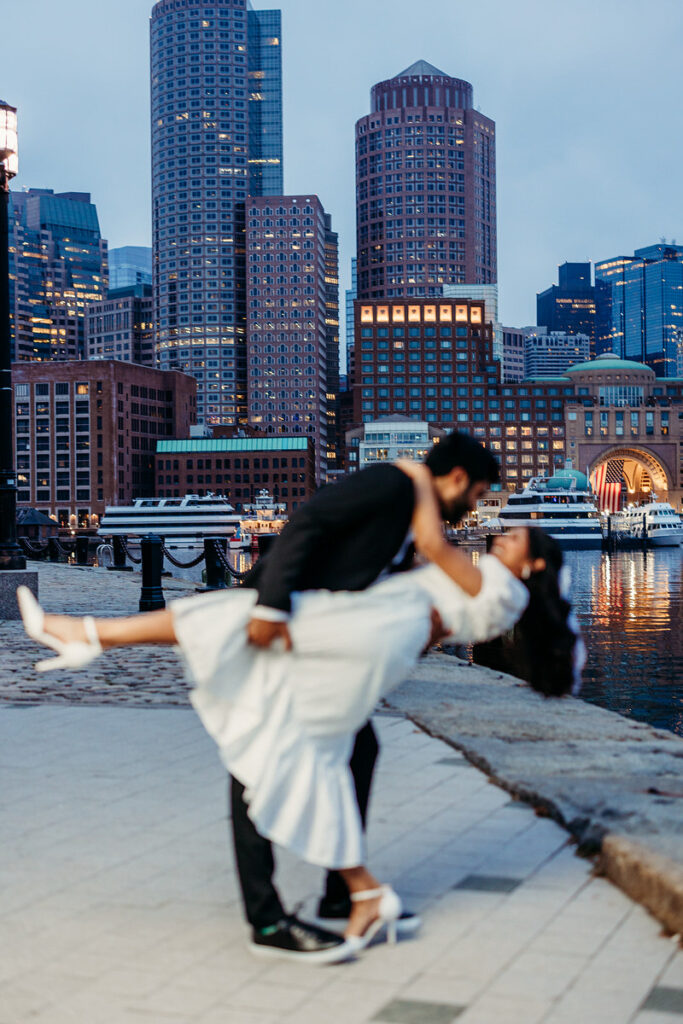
[{"x": 120, "y": 902}]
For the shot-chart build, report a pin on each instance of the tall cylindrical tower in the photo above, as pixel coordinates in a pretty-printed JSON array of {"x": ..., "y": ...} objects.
[
  {"x": 425, "y": 187},
  {"x": 204, "y": 56}
]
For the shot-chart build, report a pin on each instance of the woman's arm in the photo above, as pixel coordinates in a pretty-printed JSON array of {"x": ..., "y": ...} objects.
[{"x": 427, "y": 526}]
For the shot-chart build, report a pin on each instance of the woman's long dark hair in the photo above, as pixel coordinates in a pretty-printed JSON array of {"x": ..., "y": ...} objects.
[{"x": 541, "y": 646}]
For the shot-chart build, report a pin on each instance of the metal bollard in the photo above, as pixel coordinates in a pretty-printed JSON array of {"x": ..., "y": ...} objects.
[
  {"x": 119, "y": 563},
  {"x": 264, "y": 542},
  {"x": 82, "y": 546},
  {"x": 215, "y": 573},
  {"x": 151, "y": 595},
  {"x": 53, "y": 549}
]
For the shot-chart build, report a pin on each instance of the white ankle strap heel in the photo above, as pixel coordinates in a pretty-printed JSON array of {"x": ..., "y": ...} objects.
[
  {"x": 77, "y": 654},
  {"x": 388, "y": 914}
]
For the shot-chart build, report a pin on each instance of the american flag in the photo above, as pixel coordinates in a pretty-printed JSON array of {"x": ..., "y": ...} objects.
[{"x": 606, "y": 482}]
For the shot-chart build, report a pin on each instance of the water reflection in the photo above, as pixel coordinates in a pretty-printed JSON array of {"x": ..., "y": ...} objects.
[{"x": 630, "y": 606}]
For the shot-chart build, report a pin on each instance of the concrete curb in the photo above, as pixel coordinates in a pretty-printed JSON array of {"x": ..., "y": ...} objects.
[{"x": 616, "y": 785}]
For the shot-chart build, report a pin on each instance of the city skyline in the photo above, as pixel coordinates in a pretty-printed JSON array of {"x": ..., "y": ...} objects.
[{"x": 572, "y": 182}]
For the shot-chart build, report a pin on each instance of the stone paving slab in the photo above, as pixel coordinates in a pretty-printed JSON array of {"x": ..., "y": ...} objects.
[
  {"x": 616, "y": 784},
  {"x": 120, "y": 903}
]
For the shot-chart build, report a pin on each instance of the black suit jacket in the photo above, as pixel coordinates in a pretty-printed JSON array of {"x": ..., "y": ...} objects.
[{"x": 341, "y": 539}]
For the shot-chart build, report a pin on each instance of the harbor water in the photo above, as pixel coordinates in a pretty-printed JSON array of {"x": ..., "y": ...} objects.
[{"x": 630, "y": 607}]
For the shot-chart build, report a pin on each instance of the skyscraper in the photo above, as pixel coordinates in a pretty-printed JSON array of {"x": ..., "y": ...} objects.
[
  {"x": 207, "y": 123},
  {"x": 332, "y": 344},
  {"x": 292, "y": 251},
  {"x": 425, "y": 187},
  {"x": 130, "y": 265},
  {"x": 569, "y": 305},
  {"x": 265, "y": 102},
  {"x": 640, "y": 306},
  {"x": 58, "y": 264}
]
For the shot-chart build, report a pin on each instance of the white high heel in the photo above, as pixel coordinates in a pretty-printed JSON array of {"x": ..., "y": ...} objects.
[
  {"x": 389, "y": 912},
  {"x": 76, "y": 654}
]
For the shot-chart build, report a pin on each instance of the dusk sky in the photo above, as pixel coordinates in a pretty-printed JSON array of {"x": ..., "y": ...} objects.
[{"x": 586, "y": 97}]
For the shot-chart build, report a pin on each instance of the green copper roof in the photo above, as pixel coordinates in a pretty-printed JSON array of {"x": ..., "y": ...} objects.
[
  {"x": 421, "y": 67},
  {"x": 608, "y": 361},
  {"x": 232, "y": 444}
]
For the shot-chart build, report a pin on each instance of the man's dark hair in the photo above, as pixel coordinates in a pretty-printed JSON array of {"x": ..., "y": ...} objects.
[{"x": 457, "y": 449}]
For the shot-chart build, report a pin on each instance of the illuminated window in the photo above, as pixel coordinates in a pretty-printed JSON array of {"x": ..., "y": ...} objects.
[
  {"x": 476, "y": 314},
  {"x": 461, "y": 313},
  {"x": 398, "y": 314},
  {"x": 366, "y": 314},
  {"x": 382, "y": 314},
  {"x": 414, "y": 314},
  {"x": 446, "y": 314},
  {"x": 430, "y": 314}
]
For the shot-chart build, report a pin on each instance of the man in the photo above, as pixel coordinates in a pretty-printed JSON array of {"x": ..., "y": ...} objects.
[{"x": 345, "y": 538}]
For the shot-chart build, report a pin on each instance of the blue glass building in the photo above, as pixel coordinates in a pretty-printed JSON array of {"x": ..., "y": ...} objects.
[
  {"x": 265, "y": 103},
  {"x": 58, "y": 264},
  {"x": 130, "y": 265},
  {"x": 201, "y": 147},
  {"x": 569, "y": 305},
  {"x": 639, "y": 306}
]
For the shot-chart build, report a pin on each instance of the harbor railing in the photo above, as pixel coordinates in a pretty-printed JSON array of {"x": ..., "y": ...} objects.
[{"x": 219, "y": 572}]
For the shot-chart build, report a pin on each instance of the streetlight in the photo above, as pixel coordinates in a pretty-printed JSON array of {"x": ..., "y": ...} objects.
[{"x": 11, "y": 556}]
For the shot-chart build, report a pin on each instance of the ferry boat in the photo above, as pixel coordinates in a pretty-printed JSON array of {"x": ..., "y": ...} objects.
[
  {"x": 663, "y": 525},
  {"x": 184, "y": 520},
  {"x": 562, "y": 504}
]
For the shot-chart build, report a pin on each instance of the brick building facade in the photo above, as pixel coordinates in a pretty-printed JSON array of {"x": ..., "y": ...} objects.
[
  {"x": 238, "y": 467},
  {"x": 86, "y": 432}
]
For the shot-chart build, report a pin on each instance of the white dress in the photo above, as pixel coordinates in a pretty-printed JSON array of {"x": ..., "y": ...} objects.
[{"x": 285, "y": 722}]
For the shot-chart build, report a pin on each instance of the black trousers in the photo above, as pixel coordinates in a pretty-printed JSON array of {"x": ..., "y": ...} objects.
[{"x": 254, "y": 853}]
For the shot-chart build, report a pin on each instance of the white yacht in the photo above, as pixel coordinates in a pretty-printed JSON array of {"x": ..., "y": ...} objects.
[
  {"x": 184, "y": 520},
  {"x": 663, "y": 525},
  {"x": 562, "y": 504}
]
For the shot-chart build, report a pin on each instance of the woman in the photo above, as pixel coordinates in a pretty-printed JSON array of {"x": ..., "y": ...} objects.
[{"x": 284, "y": 721}]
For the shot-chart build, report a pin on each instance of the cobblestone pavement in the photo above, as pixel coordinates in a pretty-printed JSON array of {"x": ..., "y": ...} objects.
[
  {"x": 145, "y": 676},
  {"x": 120, "y": 904}
]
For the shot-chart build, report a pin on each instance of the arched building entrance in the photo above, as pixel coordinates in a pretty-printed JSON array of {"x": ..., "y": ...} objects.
[{"x": 625, "y": 475}]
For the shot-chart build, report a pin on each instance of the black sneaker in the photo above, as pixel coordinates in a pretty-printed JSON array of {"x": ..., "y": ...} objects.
[
  {"x": 330, "y": 910},
  {"x": 292, "y": 939}
]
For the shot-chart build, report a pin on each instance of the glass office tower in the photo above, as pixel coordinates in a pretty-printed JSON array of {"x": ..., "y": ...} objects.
[
  {"x": 201, "y": 146},
  {"x": 130, "y": 265},
  {"x": 58, "y": 264},
  {"x": 640, "y": 306},
  {"x": 265, "y": 103}
]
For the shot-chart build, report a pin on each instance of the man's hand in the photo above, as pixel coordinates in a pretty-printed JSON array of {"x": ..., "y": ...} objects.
[
  {"x": 438, "y": 632},
  {"x": 262, "y": 633}
]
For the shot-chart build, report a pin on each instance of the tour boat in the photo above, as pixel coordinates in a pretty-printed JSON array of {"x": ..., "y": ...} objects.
[
  {"x": 663, "y": 526},
  {"x": 562, "y": 504},
  {"x": 184, "y": 520}
]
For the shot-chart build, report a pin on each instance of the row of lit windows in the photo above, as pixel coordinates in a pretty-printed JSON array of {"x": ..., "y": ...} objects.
[{"x": 421, "y": 314}]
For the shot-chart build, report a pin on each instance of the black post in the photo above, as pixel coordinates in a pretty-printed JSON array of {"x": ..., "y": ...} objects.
[
  {"x": 53, "y": 549},
  {"x": 82, "y": 548},
  {"x": 119, "y": 563},
  {"x": 11, "y": 556},
  {"x": 215, "y": 573},
  {"x": 151, "y": 595}
]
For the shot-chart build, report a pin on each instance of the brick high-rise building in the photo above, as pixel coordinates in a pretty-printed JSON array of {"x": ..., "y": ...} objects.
[
  {"x": 291, "y": 251},
  {"x": 86, "y": 432},
  {"x": 334, "y": 438},
  {"x": 120, "y": 326},
  {"x": 216, "y": 137},
  {"x": 425, "y": 187},
  {"x": 433, "y": 361},
  {"x": 58, "y": 264}
]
